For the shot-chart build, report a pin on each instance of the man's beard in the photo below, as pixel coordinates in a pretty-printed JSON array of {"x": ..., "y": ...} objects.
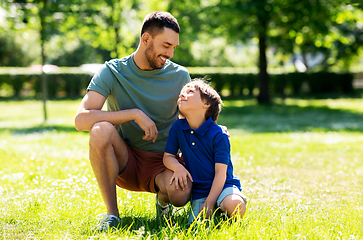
[{"x": 149, "y": 54}]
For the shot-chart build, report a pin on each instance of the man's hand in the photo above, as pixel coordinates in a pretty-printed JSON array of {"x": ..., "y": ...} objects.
[
  {"x": 180, "y": 177},
  {"x": 225, "y": 130},
  {"x": 148, "y": 125}
]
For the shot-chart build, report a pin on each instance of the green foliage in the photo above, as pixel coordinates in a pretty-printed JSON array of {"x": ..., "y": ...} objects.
[
  {"x": 63, "y": 85},
  {"x": 82, "y": 53},
  {"x": 212, "y": 31},
  {"x": 11, "y": 53},
  {"x": 110, "y": 25},
  {"x": 59, "y": 84},
  {"x": 325, "y": 82},
  {"x": 319, "y": 82},
  {"x": 68, "y": 83}
]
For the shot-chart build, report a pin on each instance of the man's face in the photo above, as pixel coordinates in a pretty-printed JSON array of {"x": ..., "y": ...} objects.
[{"x": 161, "y": 48}]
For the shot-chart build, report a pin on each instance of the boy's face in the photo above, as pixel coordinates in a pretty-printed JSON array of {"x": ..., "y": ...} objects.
[{"x": 190, "y": 100}]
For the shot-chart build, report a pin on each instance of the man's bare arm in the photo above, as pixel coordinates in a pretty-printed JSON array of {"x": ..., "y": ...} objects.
[{"x": 90, "y": 113}]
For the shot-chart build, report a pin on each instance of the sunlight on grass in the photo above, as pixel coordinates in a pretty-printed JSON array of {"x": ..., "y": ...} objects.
[
  {"x": 29, "y": 113},
  {"x": 354, "y": 105},
  {"x": 300, "y": 165}
]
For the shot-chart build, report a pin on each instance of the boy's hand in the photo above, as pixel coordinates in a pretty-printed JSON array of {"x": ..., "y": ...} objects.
[
  {"x": 208, "y": 208},
  {"x": 180, "y": 177}
]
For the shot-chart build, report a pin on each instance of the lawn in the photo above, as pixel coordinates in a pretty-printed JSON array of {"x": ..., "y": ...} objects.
[{"x": 300, "y": 163}]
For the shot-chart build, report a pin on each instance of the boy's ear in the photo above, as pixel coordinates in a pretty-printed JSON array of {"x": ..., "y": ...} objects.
[{"x": 206, "y": 105}]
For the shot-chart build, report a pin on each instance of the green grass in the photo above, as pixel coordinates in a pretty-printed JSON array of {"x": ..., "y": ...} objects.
[{"x": 300, "y": 164}]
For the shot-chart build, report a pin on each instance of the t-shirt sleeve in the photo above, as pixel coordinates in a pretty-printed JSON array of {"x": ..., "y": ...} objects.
[
  {"x": 222, "y": 149},
  {"x": 172, "y": 145},
  {"x": 188, "y": 79},
  {"x": 102, "y": 82}
]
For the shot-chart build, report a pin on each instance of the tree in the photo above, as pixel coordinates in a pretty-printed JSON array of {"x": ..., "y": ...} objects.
[
  {"x": 331, "y": 29},
  {"x": 235, "y": 20},
  {"x": 39, "y": 14},
  {"x": 290, "y": 27},
  {"x": 11, "y": 53},
  {"x": 109, "y": 25}
]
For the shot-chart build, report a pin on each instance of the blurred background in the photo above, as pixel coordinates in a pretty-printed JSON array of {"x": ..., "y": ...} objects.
[{"x": 246, "y": 48}]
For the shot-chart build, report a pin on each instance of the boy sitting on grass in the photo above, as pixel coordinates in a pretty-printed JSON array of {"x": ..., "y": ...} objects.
[{"x": 206, "y": 151}]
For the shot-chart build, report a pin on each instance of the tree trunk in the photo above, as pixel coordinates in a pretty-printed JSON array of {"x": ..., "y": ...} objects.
[
  {"x": 42, "y": 15},
  {"x": 263, "y": 77},
  {"x": 116, "y": 27}
]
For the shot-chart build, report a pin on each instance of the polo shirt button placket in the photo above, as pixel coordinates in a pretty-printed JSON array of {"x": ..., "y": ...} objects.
[{"x": 192, "y": 132}]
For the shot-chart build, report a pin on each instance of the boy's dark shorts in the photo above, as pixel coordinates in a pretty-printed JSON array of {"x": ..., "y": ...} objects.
[{"x": 141, "y": 170}]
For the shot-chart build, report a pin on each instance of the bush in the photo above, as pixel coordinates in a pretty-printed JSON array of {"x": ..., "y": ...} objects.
[
  {"x": 295, "y": 80},
  {"x": 327, "y": 82},
  {"x": 69, "y": 83}
]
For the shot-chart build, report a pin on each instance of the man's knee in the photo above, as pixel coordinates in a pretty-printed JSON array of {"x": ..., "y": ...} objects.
[
  {"x": 179, "y": 197},
  {"x": 100, "y": 134}
]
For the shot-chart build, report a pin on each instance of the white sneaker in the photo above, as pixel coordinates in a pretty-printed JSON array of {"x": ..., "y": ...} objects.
[
  {"x": 163, "y": 211},
  {"x": 108, "y": 223}
]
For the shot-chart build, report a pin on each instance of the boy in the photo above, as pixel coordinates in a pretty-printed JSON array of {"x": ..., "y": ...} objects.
[{"x": 206, "y": 152}]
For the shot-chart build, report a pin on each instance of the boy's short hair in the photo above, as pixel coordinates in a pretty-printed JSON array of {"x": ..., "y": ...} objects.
[
  {"x": 210, "y": 95},
  {"x": 155, "y": 22}
]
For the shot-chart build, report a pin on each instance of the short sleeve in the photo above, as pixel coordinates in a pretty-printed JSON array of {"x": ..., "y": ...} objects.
[
  {"x": 222, "y": 149},
  {"x": 172, "y": 145},
  {"x": 102, "y": 82}
]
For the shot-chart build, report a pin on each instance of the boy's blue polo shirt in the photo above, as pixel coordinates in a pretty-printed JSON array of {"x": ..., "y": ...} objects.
[{"x": 202, "y": 148}]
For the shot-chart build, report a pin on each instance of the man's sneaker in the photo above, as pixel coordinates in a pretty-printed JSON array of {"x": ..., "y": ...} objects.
[
  {"x": 163, "y": 211},
  {"x": 108, "y": 223}
]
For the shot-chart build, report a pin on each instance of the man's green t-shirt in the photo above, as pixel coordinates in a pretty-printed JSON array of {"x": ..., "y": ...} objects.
[{"x": 154, "y": 92}]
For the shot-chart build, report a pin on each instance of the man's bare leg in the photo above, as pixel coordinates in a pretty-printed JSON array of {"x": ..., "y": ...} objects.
[
  {"x": 167, "y": 193},
  {"x": 108, "y": 156}
]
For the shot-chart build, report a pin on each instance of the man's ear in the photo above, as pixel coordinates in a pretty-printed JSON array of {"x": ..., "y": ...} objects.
[{"x": 145, "y": 38}]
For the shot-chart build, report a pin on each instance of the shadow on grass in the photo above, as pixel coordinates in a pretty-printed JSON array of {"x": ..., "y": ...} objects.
[
  {"x": 146, "y": 227},
  {"x": 143, "y": 226},
  {"x": 290, "y": 118},
  {"x": 260, "y": 119}
]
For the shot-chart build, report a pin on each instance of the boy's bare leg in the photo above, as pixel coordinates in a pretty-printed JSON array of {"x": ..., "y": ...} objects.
[
  {"x": 108, "y": 156},
  {"x": 233, "y": 204},
  {"x": 167, "y": 193}
]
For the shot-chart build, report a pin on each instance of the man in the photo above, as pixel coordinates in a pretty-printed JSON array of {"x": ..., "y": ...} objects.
[{"x": 127, "y": 141}]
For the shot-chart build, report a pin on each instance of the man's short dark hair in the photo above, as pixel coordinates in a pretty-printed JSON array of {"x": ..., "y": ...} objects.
[{"x": 155, "y": 22}]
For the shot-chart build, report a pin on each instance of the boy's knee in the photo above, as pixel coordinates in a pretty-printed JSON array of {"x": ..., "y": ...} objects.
[
  {"x": 234, "y": 204},
  {"x": 241, "y": 208}
]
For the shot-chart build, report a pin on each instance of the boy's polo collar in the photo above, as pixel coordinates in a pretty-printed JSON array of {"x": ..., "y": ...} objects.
[{"x": 201, "y": 130}]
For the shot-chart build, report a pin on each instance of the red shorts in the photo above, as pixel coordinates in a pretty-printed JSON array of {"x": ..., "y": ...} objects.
[{"x": 141, "y": 170}]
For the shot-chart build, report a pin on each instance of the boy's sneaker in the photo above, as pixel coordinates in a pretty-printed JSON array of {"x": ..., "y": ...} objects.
[
  {"x": 163, "y": 211},
  {"x": 108, "y": 223}
]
